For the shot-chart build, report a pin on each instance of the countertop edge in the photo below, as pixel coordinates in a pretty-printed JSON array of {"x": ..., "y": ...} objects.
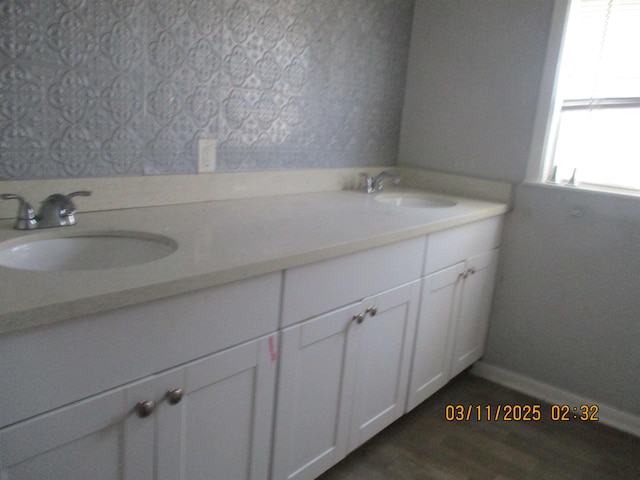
[{"x": 52, "y": 313}]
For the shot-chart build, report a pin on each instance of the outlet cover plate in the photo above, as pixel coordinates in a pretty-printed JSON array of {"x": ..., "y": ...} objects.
[{"x": 207, "y": 155}]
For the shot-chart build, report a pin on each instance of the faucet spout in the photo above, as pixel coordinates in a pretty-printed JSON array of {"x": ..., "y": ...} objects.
[
  {"x": 374, "y": 184},
  {"x": 377, "y": 180}
]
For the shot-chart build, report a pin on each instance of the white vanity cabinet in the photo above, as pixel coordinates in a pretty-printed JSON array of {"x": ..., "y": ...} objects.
[
  {"x": 457, "y": 291},
  {"x": 210, "y": 417},
  {"x": 344, "y": 374},
  {"x": 184, "y": 387}
]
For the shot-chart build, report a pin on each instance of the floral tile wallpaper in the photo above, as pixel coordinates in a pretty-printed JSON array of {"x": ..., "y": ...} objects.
[{"x": 127, "y": 87}]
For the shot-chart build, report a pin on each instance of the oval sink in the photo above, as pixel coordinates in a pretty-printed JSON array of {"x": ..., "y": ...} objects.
[
  {"x": 413, "y": 200},
  {"x": 91, "y": 251}
]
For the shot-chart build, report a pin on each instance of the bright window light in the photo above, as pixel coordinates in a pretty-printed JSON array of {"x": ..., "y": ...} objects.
[{"x": 598, "y": 134}]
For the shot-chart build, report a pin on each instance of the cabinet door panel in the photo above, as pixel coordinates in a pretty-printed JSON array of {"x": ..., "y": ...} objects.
[
  {"x": 218, "y": 428},
  {"x": 71, "y": 461},
  {"x": 311, "y": 429},
  {"x": 226, "y": 413},
  {"x": 166, "y": 418},
  {"x": 434, "y": 334},
  {"x": 80, "y": 441},
  {"x": 475, "y": 308},
  {"x": 384, "y": 343}
]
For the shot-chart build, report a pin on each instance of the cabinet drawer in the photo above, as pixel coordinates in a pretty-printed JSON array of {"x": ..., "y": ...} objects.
[
  {"x": 459, "y": 243},
  {"x": 313, "y": 289},
  {"x": 48, "y": 367}
]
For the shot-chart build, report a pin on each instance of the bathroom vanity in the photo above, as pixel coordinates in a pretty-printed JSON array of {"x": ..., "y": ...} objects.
[{"x": 282, "y": 333}]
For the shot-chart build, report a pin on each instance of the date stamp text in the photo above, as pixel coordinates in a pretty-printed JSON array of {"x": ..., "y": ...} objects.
[{"x": 520, "y": 413}]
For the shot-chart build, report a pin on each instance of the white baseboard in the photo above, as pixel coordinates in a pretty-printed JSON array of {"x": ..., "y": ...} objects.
[{"x": 607, "y": 414}]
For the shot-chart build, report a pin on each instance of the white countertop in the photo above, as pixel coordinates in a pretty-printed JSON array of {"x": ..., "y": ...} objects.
[{"x": 218, "y": 242}]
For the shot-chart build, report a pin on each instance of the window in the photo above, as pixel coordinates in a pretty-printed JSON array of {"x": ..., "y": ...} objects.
[{"x": 597, "y": 130}]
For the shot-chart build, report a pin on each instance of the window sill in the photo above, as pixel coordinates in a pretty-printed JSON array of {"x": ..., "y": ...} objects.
[{"x": 589, "y": 188}]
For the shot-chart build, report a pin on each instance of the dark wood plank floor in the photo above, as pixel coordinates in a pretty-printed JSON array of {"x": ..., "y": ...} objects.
[{"x": 424, "y": 445}]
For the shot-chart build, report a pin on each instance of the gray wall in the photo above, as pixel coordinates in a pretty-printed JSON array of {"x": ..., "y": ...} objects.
[
  {"x": 567, "y": 308},
  {"x": 472, "y": 86},
  {"x": 112, "y": 87},
  {"x": 567, "y": 304}
]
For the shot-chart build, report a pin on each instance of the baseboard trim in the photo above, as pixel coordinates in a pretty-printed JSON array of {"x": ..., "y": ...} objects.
[{"x": 607, "y": 414}]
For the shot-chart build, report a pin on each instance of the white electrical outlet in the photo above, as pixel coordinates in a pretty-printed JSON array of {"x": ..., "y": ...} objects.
[{"x": 207, "y": 155}]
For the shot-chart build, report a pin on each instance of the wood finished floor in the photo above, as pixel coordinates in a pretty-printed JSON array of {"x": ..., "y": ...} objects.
[{"x": 423, "y": 445}]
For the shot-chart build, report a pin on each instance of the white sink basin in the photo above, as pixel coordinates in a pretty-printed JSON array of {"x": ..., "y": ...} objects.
[
  {"x": 90, "y": 251},
  {"x": 413, "y": 200}
]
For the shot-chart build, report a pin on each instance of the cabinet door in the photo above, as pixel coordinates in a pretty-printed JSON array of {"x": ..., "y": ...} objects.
[
  {"x": 313, "y": 405},
  {"x": 83, "y": 440},
  {"x": 384, "y": 343},
  {"x": 221, "y": 428},
  {"x": 434, "y": 333},
  {"x": 475, "y": 307}
]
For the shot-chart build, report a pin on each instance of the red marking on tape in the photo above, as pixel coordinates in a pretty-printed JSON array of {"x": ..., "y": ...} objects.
[{"x": 272, "y": 350}]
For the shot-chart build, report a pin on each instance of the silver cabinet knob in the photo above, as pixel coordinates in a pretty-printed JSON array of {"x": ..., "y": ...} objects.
[
  {"x": 174, "y": 396},
  {"x": 359, "y": 317},
  {"x": 372, "y": 310},
  {"x": 467, "y": 272},
  {"x": 145, "y": 408}
]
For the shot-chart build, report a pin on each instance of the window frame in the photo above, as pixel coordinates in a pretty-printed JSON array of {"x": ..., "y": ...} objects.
[{"x": 549, "y": 107}]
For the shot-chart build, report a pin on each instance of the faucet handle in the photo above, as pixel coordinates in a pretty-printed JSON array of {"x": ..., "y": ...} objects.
[
  {"x": 64, "y": 202},
  {"x": 11, "y": 196},
  {"x": 80, "y": 193},
  {"x": 26, "y": 218}
]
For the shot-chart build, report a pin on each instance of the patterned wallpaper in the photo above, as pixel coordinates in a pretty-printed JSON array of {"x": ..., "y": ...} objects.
[{"x": 127, "y": 87}]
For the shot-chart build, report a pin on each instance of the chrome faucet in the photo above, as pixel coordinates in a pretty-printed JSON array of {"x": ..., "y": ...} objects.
[
  {"x": 374, "y": 184},
  {"x": 57, "y": 210}
]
